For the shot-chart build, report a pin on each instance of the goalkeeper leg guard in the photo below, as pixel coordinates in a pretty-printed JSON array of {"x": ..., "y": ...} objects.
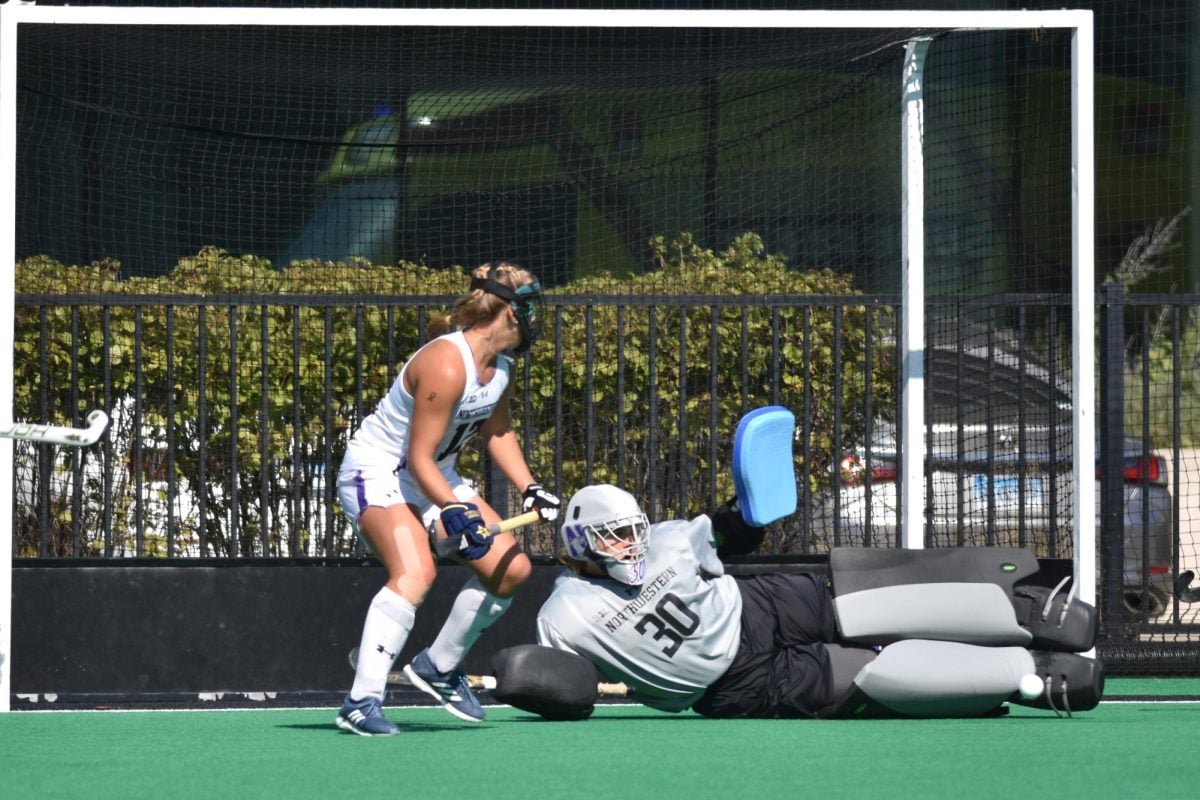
[
  {"x": 959, "y": 595},
  {"x": 971, "y": 594},
  {"x": 919, "y": 678}
]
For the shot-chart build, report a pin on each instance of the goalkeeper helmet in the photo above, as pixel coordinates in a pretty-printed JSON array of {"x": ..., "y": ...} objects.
[{"x": 605, "y": 526}]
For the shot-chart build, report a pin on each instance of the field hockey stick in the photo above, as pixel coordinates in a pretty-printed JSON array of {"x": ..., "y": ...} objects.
[
  {"x": 55, "y": 434},
  {"x": 449, "y": 545},
  {"x": 487, "y": 682},
  {"x": 1185, "y": 594}
]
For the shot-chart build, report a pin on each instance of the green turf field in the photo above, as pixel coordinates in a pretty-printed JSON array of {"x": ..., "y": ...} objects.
[{"x": 1123, "y": 749}]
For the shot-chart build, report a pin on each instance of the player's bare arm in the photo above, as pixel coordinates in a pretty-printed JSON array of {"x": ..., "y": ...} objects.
[
  {"x": 501, "y": 443},
  {"x": 436, "y": 379}
]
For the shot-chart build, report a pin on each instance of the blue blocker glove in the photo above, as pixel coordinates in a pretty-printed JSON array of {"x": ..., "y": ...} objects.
[
  {"x": 462, "y": 521},
  {"x": 546, "y": 504}
]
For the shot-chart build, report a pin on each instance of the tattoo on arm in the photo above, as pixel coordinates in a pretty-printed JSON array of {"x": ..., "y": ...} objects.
[{"x": 431, "y": 397}]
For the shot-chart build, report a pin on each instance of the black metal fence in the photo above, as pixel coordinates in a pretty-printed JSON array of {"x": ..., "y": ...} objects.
[
  {"x": 230, "y": 415},
  {"x": 1148, "y": 420}
]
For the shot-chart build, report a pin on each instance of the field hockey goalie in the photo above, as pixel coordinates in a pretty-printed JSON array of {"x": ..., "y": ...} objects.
[{"x": 920, "y": 633}]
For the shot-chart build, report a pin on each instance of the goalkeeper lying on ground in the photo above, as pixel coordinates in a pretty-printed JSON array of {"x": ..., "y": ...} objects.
[{"x": 887, "y": 633}]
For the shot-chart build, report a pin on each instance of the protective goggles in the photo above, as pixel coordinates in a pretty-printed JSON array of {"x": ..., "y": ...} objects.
[{"x": 525, "y": 301}]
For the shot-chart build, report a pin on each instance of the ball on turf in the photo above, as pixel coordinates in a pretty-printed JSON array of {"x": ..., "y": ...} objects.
[{"x": 1031, "y": 686}]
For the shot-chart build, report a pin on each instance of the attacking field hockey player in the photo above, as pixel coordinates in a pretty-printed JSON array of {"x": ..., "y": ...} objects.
[{"x": 399, "y": 476}]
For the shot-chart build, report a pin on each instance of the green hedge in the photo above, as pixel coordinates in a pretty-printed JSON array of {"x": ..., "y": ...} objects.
[{"x": 349, "y": 354}]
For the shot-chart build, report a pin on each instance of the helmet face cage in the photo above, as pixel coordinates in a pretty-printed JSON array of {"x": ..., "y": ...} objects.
[
  {"x": 605, "y": 526},
  {"x": 619, "y": 547}
]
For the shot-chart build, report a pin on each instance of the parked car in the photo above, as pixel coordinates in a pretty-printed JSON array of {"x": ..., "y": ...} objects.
[{"x": 999, "y": 445}]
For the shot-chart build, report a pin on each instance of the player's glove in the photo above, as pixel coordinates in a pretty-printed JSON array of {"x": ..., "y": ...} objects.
[
  {"x": 463, "y": 520},
  {"x": 546, "y": 504}
]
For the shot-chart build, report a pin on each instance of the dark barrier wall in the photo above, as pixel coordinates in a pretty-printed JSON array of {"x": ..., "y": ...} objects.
[
  {"x": 239, "y": 626},
  {"x": 234, "y": 626},
  {"x": 224, "y": 626}
]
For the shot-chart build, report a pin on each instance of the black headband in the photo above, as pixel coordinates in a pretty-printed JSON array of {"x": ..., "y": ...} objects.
[{"x": 493, "y": 286}]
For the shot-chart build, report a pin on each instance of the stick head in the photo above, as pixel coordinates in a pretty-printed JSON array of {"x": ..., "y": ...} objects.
[
  {"x": 1182, "y": 590},
  {"x": 57, "y": 434},
  {"x": 97, "y": 423}
]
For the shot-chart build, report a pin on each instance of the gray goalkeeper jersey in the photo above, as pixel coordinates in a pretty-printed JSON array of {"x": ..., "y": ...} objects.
[{"x": 668, "y": 639}]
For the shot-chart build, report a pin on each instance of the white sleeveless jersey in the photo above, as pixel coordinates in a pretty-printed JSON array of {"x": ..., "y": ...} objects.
[
  {"x": 385, "y": 430},
  {"x": 670, "y": 638}
]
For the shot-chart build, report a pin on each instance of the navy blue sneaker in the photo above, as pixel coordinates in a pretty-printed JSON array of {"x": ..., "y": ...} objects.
[
  {"x": 365, "y": 717},
  {"x": 448, "y": 688}
]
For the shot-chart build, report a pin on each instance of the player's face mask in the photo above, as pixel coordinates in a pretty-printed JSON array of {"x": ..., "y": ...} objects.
[
  {"x": 624, "y": 543},
  {"x": 525, "y": 302},
  {"x": 619, "y": 547},
  {"x": 528, "y": 308}
]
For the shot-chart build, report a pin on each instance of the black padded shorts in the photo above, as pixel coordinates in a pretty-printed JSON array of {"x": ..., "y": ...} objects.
[{"x": 782, "y": 668}]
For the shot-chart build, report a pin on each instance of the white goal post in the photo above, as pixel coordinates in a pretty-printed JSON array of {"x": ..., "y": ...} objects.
[{"x": 909, "y": 95}]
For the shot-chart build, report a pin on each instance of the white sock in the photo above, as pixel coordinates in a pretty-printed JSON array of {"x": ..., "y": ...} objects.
[
  {"x": 473, "y": 613},
  {"x": 389, "y": 620}
]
